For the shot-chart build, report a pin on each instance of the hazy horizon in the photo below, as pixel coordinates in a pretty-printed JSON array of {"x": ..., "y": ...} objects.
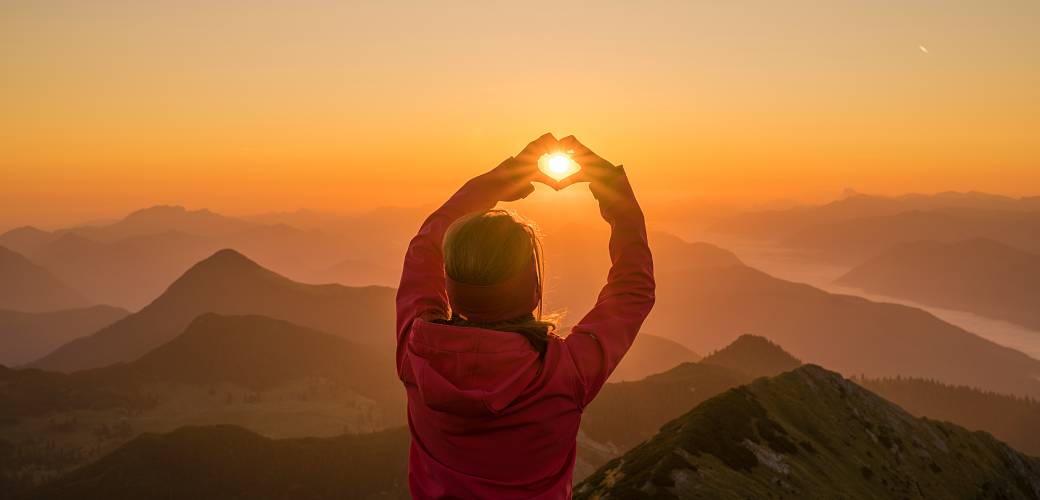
[{"x": 113, "y": 106}]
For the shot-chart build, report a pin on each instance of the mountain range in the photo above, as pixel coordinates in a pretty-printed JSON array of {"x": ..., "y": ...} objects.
[
  {"x": 229, "y": 283},
  {"x": 252, "y": 352},
  {"x": 25, "y": 337},
  {"x": 130, "y": 261},
  {"x": 707, "y": 308},
  {"x": 28, "y": 287},
  {"x": 802, "y": 433},
  {"x": 977, "y": 275},
  {"x": 776, "y": 225}
]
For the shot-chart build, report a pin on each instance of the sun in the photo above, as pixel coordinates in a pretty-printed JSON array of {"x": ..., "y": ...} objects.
[{"x": 557, "y": 165}]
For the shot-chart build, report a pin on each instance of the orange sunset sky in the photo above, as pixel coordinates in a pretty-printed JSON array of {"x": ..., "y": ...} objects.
[{"x": 260, "y": 106}]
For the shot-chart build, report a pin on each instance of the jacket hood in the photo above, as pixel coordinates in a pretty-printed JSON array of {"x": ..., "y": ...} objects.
[{"x": 470, "y": 371}]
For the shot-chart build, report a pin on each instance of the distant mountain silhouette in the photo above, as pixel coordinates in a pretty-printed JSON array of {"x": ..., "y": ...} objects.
[
  {"x": 855, "y": 240},
  {"x": 754, "y": 356},
  {"x": 357, "y": 272},
  {"x": 127, "y": 272},
  {"x": 651, "y": 354},
  {"x": 707, "y": 308},
  {"x": 130, "y": 261},
  {"x": 222, "y": 462},
  {"x": 1010, "y": 419},
  {"x": 164, "y": 219},
  {"x": 229, "y": 283},
  {"x": 976, "y": 275},
  {"x": 577, "y": 262},
  {"x": 25, "y": 337},
  {"x": 810, "y": 433},
  {"x": 780, "y": 224},
  {"x": 26, "y": 239},
  {"x": 27, "y": 287}
]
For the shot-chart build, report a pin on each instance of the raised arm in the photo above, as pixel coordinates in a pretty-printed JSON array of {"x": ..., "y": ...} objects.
[
  {"x": 421, "y": 293},
  {"x": 599, "y": 341}
]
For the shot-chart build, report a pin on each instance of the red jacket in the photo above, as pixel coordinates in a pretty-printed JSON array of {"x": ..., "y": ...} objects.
[{"x": 488, "y": 418}]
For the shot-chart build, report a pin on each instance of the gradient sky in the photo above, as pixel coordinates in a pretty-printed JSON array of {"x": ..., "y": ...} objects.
[{"x": 256, "y": 106}]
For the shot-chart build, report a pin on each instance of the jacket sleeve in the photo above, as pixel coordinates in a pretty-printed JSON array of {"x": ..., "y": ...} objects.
[
  {"x": 599, "y": 341},
  {"x": 421, "y": 293}
]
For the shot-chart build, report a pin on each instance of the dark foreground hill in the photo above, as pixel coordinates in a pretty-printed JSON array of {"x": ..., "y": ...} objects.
[
  {"x": 230, "y": 283},
  {"x": 25, "y": 337},
  {"x": 810, "y": 433},
  {"x": 266, "y": 375},
  {"x": 627, "y": 413},
  {"x": 26, "y": 286},
  {"x": 228, "y": 462},
  {"x": 976, "y": 275}
]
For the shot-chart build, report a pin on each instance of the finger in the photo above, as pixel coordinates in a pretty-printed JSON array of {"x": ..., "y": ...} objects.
[
  {"x": 581, "y": 153},
  {"x": 539, "y": 176},
  {"x": 525, "y": 191},
  {"x": 537, "y": 148},
  {"x": 579, "y": 176},
  {"x": 573, "y": 147}
]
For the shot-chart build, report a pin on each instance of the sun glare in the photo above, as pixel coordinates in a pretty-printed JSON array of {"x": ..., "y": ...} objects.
[{"x": 557, "y": 165}]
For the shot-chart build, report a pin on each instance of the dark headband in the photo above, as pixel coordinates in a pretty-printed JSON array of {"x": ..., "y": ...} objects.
[{"x": 512, "y": 298}]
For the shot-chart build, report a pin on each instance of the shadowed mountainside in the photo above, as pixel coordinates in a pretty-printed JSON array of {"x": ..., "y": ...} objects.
[
  {"x": 976, "y": 275},
  {"x": 1011, "y": 419},
  {"x": 810, "y": 433},
  {"x": 804, "y": 433},
  {"x": 266, "y": 375},
  {"x": 254, "y": 352},
  {"x": 708, "y": 308},
  {"x": 651, "y": 354},
  {"x": 27, "y": 287},
  {"x": 222, "y": 462},
  {"x": 25, "y": 337},
  {"x": 229, "y": 283}
]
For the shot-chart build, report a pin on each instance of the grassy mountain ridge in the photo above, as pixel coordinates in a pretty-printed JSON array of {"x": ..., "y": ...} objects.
[
  {"x": 625, "y": 414},
  {"x": 811, "y": 433}
]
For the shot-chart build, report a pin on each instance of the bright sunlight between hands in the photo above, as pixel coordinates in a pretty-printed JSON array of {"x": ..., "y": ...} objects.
[{"x": 558, "y": 165}]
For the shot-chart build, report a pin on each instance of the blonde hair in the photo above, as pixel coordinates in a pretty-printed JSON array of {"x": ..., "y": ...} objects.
[{"x": 486, "y": 248}]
